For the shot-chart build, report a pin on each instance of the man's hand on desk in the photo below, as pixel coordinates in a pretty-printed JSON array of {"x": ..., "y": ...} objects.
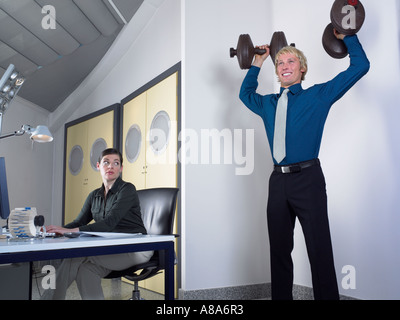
[{"x": 60, "y": 230}]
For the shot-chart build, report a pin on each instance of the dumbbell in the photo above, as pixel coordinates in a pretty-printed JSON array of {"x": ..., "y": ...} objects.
[
  {"x": 347, "y": 17},
  {"x": 245, "y": 49}
]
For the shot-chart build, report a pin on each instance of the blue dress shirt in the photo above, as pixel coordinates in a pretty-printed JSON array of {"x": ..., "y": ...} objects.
[{"x": 307, "y": 109}]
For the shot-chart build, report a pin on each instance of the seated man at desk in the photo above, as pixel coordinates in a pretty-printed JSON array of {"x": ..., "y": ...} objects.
[{"x": 114, "y": 208}]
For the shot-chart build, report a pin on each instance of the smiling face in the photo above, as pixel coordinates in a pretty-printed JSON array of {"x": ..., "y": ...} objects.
[
  {"x": 290, "y": 66},
  {"x": 289, "y": 70}
]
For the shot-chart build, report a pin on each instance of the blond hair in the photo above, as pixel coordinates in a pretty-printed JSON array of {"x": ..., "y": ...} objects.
[{"x": 299, "y": 54}]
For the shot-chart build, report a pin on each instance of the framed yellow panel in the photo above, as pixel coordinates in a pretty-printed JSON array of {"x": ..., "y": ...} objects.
[
  {"x": 86, "y": 136},
  {"x": 134, "y": 141},
  {"x": 74, "y": 175},
  {"x": 162, "y": 135},
  {"x": 100, "y": 132},
  {"x": 154, "y": 109},
  {"x": 162, "y": 147}
]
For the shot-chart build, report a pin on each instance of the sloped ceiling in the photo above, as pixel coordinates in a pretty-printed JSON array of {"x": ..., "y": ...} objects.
[{"x": 56, "y": 49}]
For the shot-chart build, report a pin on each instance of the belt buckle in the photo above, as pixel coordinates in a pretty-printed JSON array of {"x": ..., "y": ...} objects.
[
  {"x": 290, "y": 169},
  {"x": 285, "y": 169}
]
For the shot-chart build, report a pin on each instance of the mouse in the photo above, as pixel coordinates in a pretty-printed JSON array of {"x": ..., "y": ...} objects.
[{"x": 72, "y": 234}]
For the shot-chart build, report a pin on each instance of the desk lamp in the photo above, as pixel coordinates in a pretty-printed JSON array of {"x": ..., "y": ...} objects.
[
  {"x": 39, "y": 134},
  {"x": 10, "y": 84}
]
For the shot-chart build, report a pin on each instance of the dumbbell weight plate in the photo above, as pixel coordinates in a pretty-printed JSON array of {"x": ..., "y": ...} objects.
[
  {"x": 245, "y": 51},
  {"x": 332, "y": 45},
  {"x": 278, "y": 42},
  {"x": 337, "y": 16}
]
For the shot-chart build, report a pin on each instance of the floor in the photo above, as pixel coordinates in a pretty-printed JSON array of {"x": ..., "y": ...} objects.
[{"x": 114, "y": 289}]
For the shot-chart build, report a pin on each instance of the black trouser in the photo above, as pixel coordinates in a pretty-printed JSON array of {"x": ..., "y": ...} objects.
[{"x": 301, "y": 195}]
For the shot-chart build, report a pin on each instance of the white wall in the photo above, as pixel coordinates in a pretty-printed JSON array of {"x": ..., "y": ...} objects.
[
  {"x": 29, "y": 166},
  {"x": 364, "y": 198},
  {"x": 225, "y": 231},
  {"x": 225, "y": 214}
]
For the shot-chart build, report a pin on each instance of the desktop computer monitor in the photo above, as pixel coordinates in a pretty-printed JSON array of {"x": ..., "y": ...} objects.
[{"x": 4, "y": 200}]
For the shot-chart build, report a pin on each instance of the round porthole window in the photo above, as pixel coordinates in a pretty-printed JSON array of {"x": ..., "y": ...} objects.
[
  {"x": 133, "y": 143},
  {"x": 160, "y": 132},
  {"x": 75, "y": 160},
  {"x": 97, "y": 148}
]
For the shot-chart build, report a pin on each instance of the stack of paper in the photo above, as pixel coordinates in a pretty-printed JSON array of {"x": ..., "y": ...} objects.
[{"x": 21, "y": 222}]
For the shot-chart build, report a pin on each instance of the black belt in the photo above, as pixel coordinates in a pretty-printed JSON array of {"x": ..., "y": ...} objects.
[{"x": 294, "y": 168}]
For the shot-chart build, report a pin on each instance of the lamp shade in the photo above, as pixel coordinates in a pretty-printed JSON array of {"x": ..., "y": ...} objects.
[{"x": 42, "y": 134}]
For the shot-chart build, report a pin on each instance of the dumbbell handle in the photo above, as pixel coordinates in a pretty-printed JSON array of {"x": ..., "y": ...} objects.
[
  {"x": 233, "y": 52},
  {"x": 260, "y": 51}
]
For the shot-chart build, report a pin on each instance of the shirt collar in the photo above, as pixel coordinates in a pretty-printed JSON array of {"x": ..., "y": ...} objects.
[
  {"x": 294, "y": 89},
  {"x": 113, "y": 189}
]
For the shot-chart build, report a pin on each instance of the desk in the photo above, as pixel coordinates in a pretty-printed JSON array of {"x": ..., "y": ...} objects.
[{"x": 60, "y": 248}]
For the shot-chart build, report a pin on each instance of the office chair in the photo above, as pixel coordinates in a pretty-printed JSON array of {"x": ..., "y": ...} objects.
[{"x": 158, "y": 211}]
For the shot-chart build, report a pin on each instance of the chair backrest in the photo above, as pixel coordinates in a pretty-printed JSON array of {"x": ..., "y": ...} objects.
[{"x": 158, "y": 209}]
